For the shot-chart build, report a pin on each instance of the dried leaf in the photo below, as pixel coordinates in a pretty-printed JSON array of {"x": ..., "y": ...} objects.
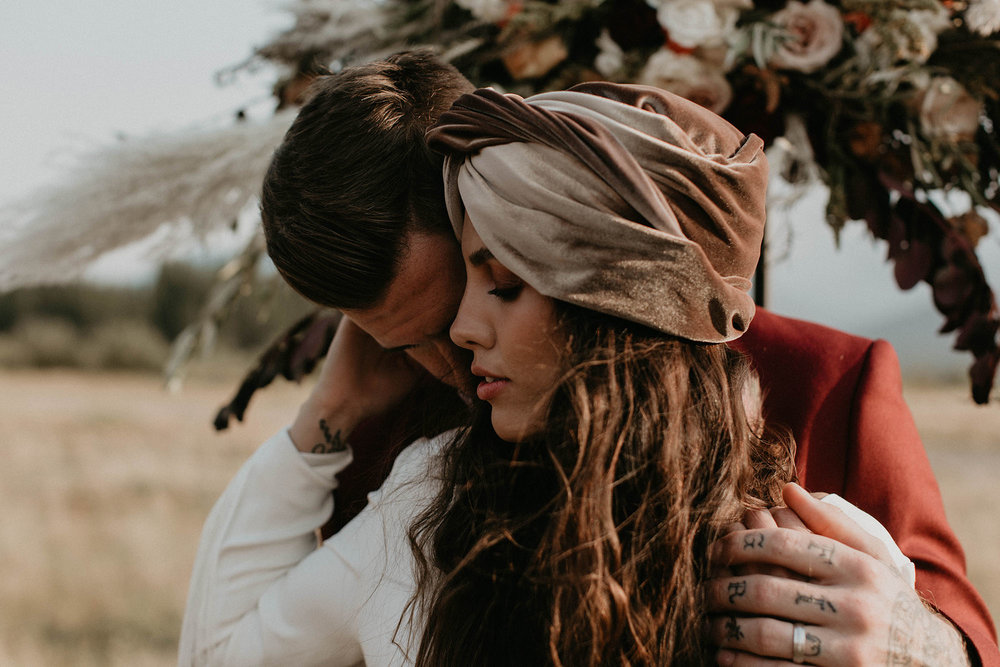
[
  {"x": 292, "y": 355},
  {"x": 982, "y": 373},
  {"x": 914, "y": 263}
]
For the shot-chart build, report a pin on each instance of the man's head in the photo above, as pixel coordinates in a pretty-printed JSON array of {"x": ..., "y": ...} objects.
[{"x": 353, "y": 207}]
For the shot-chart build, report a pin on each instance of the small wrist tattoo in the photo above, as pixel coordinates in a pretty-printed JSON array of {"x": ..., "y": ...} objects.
[{"x": 333, "y": 442}]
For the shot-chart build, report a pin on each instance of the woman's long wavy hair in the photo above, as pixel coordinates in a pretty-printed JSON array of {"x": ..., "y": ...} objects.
[{"x": 587, "y": 544}]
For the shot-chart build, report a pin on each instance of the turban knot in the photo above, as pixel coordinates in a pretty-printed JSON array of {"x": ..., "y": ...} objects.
[{"x": 623, "y": 199}]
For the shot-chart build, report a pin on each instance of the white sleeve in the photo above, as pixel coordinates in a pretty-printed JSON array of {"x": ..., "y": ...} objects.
[
  {"x": 260, "y": 589},
  {"x": 870, "y": 525}
]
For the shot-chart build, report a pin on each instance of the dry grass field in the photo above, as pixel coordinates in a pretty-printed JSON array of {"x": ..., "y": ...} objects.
[{"x": 106, "y": 479}]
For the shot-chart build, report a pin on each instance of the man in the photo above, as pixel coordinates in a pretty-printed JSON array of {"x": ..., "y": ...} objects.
[{"x": 355, "y": 220}]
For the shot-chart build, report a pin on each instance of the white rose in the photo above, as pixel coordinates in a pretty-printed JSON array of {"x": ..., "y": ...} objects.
[
  {"x": 486, "y": 10},
  {"x": 610, "y": 58},
  {"x": 948, "y": 112},
  {"x": 983, "y": 16},
  {"x": 685, "y": 75},
  {"x": 816, "y": 33},
  {"x": 692, "y": 23},
  {"x": 929, "y": 24}
]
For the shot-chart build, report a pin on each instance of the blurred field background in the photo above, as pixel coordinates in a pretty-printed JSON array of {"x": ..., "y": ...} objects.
[{"x": 107, "y": 477}]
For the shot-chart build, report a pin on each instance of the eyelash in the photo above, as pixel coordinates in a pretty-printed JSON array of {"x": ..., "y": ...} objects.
[{"x": 506, "y": 293}]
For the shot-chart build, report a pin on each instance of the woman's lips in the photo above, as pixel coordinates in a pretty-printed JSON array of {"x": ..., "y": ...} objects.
[{"x": 490, "y": 387}]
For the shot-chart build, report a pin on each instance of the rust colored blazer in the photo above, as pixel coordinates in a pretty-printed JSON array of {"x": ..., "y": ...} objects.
[{"x": 841, "y": 396}]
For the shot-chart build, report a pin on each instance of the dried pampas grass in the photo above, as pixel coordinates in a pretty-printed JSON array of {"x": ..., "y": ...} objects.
[{"x": 176, "y": 187}]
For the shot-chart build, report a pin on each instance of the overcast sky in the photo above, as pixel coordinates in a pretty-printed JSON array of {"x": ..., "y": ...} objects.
[{"x": 78, "y": 73}]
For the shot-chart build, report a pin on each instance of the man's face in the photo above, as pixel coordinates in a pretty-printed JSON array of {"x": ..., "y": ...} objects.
[{"x": 418, "y": 309}]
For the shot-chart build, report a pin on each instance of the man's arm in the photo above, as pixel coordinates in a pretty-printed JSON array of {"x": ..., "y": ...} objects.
[
  {"x": 889, "y": 476},
  {"x": 841, "y": 395}
]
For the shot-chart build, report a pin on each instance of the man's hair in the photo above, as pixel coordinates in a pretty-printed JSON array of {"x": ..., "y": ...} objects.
[{"x": 353, "y": 176}]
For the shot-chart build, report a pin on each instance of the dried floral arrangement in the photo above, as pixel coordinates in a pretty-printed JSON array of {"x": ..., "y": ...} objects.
[{"x": 890, "y": 102}]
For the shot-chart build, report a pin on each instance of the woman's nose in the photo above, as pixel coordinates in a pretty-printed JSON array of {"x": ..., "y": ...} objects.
[{"x": 470, "y": 328}]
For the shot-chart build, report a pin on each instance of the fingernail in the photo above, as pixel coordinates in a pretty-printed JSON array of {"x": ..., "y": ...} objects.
[{"x": 725, "y": 658}]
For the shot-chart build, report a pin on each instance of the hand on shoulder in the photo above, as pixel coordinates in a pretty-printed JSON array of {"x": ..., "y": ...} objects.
[{"x": 359, "y": 379}]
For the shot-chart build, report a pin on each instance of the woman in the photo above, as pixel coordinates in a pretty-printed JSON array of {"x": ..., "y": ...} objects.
[
  {"x": 635, "y": 439},
  {"x": 609, "y": 233}
]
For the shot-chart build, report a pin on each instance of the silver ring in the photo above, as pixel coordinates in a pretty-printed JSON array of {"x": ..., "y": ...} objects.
[{"x": 798, "y": 644}]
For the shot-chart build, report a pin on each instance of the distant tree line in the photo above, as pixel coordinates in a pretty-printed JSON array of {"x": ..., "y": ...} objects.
[{"x": 96, "y": 326}]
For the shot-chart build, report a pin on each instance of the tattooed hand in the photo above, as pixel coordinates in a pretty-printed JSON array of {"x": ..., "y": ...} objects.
[
  {"x": 358, "y": 379},
  {"x": 844, "y": 591}
]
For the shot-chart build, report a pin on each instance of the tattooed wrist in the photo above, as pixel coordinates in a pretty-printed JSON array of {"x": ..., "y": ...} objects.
[
  {"x": 333, "y": 441},
  {"x": 920, "y": 636}
]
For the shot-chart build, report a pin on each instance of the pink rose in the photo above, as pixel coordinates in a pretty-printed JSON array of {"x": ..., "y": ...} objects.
[
  {"x": 529, "y": 60},
  {"x": 815, "y": 33},
  {"x": 689, "y": 77},
  {"x": 948, "y": 112}
]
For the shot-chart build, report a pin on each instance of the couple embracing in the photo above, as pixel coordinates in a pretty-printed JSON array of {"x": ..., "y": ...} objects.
[{"x": 618, "y": 487}]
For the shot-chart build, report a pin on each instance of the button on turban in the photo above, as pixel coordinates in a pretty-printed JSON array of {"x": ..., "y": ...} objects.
[{"x": 623, "y": 199}]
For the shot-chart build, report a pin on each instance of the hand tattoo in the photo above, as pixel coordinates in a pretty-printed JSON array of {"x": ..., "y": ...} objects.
[
  {"x": 737, "y": 589},
  {"x": 334, "y": 442},
  {"x": 917, "y": 636},
  {"x": 813, "y": 645},
  {"x": 733, "y": 631},
  {"x": 753, "y": 541},
  {"x": 819, "y": 601},
  {"x": 825, "y": 553}
]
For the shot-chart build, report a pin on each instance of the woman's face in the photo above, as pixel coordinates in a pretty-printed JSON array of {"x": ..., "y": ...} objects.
[{"x": 513, "y": 334}]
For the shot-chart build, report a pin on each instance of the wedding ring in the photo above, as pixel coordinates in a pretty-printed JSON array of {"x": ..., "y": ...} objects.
[{"x": 798, "y": 644}]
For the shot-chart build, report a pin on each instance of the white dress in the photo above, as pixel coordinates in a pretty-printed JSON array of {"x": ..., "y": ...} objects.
[{"x": 262, "y": 593}]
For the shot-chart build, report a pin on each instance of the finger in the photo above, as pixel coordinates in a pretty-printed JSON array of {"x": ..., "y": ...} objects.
[
  {"x": 786, "y": 518},
  {"x": 829, "y": 521},
  {"x": 768, "y": 638},
  {"x": 764, "y": 595},
  {"x": 759, "y": 519},
  {"x": 732, "y": 528},
  {"x": 753, "y": 540},
  {"x": 730, "y": 658},
  {"x": 717, "y": 570},
  {"x": 811, "y": 556}
]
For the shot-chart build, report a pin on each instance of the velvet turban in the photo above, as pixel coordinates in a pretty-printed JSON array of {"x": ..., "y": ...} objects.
[{"x": 623, "y": 199}]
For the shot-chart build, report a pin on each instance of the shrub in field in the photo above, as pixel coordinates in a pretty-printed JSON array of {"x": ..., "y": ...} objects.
[
  {"x": 124, "y": 345},
  {"x": 42, "y": 342},
  {"x": 48, "y": 342}
]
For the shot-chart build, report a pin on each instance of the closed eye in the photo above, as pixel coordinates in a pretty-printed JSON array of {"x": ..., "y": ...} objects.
[{"x": 506, "y": 293}]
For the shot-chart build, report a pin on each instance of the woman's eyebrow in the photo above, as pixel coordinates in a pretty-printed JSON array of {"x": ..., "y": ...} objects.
[{"x": 480, "y": 257}]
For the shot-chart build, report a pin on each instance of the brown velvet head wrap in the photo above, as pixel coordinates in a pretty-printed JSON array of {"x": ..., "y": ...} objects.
[{"x": 623, "y": 199}]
